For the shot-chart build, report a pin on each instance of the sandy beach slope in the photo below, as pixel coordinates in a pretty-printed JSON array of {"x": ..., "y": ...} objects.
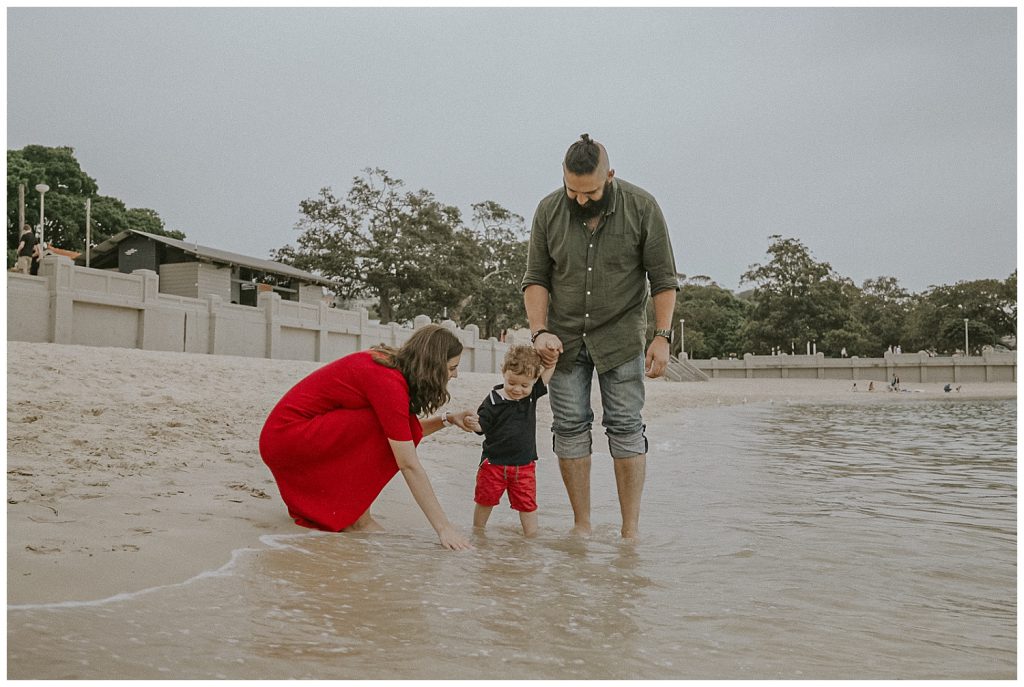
[{"x": 130, "y": 469}]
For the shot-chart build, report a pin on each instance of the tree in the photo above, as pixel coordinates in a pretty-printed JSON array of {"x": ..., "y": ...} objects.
[
  {"x": 882, "y": 309},
  {"x": 65, "y": 201},
  {"x": 936, "y": 320},
  {"x": 496, "y": 301},
  {"x": 796, "y": 300},
  {"x": 327, "y": 246},
  {"x": 714, "y": 319},
  {"x": 405, "y": 249}
]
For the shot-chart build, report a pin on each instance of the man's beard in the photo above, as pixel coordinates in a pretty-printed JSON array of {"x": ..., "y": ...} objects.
[{"x": 593, "y": 208}]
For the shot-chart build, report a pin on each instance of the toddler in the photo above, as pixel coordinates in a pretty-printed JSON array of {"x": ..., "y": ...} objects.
[{"x": 508, "y": 421}]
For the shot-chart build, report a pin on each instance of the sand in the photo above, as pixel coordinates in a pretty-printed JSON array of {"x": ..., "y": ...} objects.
[{"x": 132, "y": 469}]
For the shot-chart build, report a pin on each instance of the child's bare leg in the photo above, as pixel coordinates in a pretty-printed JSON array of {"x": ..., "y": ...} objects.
[
  {"x": 480, "y": 515},
  {"x": 365, "y": 523},
  {"x": 529, "y": 521}
]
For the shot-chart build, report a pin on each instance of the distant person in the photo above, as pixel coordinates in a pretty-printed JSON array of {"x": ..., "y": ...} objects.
[
  {"x": 37, "y": 254},
  {"x": 947, "y": 388},
  {"x": 871, "y": 386},
  {"x": 508, "y": 420},
  {"x": 26, "y": 246},
  {"x": 843, "y": 352},
  {"x": 338, "y": 436},
  {"x": 854, "y": 387},
  {"x": 597, "y": 247}
]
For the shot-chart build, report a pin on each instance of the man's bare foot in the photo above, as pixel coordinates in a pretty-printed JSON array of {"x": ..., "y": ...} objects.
[{"x": 630, "y": 532}]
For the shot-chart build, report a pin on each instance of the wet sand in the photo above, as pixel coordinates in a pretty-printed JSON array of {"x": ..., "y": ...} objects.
[{"x": 133, "y": 469}]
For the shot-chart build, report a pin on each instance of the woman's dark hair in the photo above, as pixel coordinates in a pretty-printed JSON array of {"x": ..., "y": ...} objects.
[
  {"x": 583, "y": 156},
  {"x": 423, "y": 361}
]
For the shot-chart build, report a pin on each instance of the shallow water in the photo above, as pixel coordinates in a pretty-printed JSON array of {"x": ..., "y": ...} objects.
[{"x": 779, "y": 541}]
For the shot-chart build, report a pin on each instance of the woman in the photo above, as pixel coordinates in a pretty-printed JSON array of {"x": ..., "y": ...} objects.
[{"x": 338, "y": 436}]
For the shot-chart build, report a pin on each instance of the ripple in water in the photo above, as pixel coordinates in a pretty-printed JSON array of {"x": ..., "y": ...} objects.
[{"x": 803, "y": 541}]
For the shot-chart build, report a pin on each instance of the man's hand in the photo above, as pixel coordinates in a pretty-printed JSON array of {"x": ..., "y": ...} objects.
[
  {"x": 657, "y": 357},
  {"x": 550, "y": 347}
]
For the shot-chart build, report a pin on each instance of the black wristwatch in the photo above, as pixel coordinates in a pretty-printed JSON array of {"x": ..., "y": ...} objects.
[
  {"x": 667, "y": 333},
  {"x": 533, "y": 339}
]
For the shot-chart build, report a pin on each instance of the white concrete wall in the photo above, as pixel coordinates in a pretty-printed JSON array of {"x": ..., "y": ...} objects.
[
  {"x": 911, "y": 368},
  {"x": 79, "y": 305}
]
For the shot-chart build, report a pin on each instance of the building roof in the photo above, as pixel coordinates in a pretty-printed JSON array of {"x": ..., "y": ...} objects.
[
  {"x": 214, "y": 255},
  {"x": 60, "y": 251}
]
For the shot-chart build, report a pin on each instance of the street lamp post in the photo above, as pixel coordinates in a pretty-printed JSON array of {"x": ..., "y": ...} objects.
[
  {"x": 682, "y": 339},
  {"x": 967, "y": 348},
  {"x": 42, "y": 188}
]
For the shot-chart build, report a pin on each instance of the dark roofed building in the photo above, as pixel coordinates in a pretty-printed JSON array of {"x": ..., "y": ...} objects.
[{"x": 190, "y": 270}]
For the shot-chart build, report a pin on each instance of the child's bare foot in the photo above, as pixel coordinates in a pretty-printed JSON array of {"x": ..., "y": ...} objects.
[{"x": 581, "y": 530}]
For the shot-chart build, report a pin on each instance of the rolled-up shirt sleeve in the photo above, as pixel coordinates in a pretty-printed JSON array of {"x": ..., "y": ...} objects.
[
  {"x": 658, "y": 259},
  {"x": 538, "y": 259}
]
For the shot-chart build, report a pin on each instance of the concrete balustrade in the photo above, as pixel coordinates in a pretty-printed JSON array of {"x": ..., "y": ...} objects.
[
  {"x": 69, "y": 304},
  {"x": 911, "y": 368}
]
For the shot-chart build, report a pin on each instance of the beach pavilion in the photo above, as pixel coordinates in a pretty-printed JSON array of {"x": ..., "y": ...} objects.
[{"x": 194, "y": 271}]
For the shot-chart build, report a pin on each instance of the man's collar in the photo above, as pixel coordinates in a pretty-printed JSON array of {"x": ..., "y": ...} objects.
[{"x": 615, "y": 195}]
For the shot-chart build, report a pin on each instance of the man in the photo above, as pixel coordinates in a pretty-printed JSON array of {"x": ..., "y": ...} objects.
[
  {"x": 26, "y": 244},
  {"x": 595, "y": 246}
]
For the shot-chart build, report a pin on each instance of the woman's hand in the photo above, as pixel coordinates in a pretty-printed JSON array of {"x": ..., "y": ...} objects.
[
  {"x": 466, "y": 420},
  {"x": 452, "y": 538},
  {"x": 419, "y": 484}
]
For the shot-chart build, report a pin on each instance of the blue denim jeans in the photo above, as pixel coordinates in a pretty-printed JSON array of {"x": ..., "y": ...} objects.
[{"x": 622, "y": 400}]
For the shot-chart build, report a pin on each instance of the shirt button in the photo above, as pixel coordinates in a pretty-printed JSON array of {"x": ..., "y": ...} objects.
[
  {"x": 588, "y": 293},
  {"x": 584, "y": 333},
  {"x": 587, "y": 315},
  {"x": 590, "y": 269},
  {"x": 591, "y": 245}
]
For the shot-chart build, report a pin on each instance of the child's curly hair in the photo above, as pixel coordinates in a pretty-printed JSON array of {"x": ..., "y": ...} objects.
[{"x": 523, "y": 360}]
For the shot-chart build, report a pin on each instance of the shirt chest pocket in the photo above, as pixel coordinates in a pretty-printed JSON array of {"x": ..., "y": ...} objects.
[{"x": 620, "y": 251}]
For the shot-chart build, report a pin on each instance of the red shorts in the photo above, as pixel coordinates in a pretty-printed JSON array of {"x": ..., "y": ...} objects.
[{"x": 519, "y": 480}]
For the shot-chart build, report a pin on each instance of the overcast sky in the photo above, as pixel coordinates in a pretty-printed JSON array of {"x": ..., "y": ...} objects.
[{"x": 884, "y": 139}]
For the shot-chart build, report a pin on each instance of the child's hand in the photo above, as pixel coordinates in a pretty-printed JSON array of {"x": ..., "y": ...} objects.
[
  {"x": 473, "y": 423},
  {"x": 466, "y": 420}
]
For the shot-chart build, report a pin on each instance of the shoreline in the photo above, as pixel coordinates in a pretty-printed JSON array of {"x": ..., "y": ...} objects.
[{"x": 130, "y": 470}]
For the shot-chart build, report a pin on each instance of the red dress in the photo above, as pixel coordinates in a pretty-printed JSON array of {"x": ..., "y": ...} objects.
[{"x": 326, "y": 440}]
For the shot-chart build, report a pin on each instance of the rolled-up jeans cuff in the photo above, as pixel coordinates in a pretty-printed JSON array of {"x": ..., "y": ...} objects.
[
  {"x": 627, "y": 445},
  {"x": 577, "y": 446}
]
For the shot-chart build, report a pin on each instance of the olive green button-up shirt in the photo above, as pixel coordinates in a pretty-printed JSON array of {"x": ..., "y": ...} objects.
[{"x": 598, "y": 282}]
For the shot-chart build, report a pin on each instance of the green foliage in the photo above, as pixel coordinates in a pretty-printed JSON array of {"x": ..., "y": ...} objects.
[
  {"x": 881, "y": 313},
  {"x": 937, "y": 320},
  {"x": 496, "y": 301},
  {"x": 796, "y": 299},
  {"x": 412, "y": 253},
  {"x": 65, "y": 201},
  {"x": 713, "y": 317}
]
